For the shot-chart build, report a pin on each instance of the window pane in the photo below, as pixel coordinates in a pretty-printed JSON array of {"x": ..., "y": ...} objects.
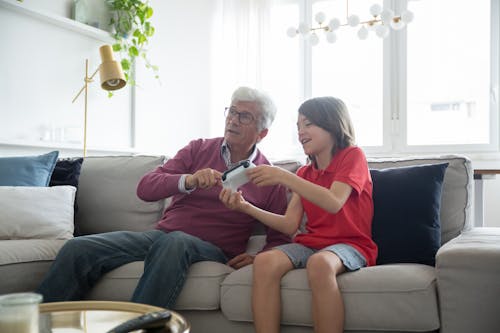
[
  {"x": 448, "y": 73},
  {"x": 352, "y": 70}
]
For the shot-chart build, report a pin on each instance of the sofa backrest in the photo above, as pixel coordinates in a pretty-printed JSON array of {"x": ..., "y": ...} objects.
[
  {"x": 456, "y": 198},
  {"x": 106, "y": 195}
]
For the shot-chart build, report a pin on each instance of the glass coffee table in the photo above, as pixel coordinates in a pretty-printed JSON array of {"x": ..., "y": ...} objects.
[{"x": 99, "y": 317}]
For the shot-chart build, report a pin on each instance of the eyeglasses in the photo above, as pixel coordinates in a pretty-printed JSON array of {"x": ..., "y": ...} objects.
[{"x": 244, "y": 118}]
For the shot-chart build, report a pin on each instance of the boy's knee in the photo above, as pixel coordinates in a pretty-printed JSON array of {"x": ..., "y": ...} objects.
[{"x": 323, "y": 264}]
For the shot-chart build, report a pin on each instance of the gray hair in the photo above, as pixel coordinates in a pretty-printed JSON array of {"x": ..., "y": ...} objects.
[{"x": 263, "y": 100}]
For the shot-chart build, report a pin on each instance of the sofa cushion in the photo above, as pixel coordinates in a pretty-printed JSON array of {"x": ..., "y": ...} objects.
[
  {"x": 407, "y": 201},
  {"x": 201, "y": 290},
  {"x": 385, "y": 298},
  {"x": 27, "y": 170},
  {"x": 456, "y": 198},
  {"x": 107, "y": 196},
  {"x": 36, "y": 212},
  {"x": 23, "y": 263}
]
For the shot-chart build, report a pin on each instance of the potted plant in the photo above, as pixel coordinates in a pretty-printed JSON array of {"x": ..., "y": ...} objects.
[{"x": 130, "y": 20}]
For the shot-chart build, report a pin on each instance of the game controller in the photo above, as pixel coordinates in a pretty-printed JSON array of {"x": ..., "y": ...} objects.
[{"x": 236, "y": 176}]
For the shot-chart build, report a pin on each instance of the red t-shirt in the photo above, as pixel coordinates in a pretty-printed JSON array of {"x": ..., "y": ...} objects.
[{"x": 352, "y": 225}]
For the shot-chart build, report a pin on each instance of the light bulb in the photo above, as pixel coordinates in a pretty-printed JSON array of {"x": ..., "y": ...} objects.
[
  {"x": 334, "y": 24},
  {"x": 353, "y": 20},
  {"x": 407, "y": 16},
  {"x": 363, "y": 33},
  {"x": 303, "y": 28},
  {"x": 382, "y": 31},
  {"x": 386, "y": 16},
  {"x": 113, "y": 83},
  {"x": 375, "y": 9},
  {"x": 314, "y": 39},
  {"x": 320, "y": 17},
  {"x": 397, "y": 23},
  {"x": 331, "y": 37},
  {"x": 291, "y": 32}
]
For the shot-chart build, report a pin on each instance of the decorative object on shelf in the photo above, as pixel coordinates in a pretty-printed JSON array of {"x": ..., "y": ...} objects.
[
  {"x": 382, "y": 19},
  {"x": 112, "y": 78},
  {"x": 132, "y": 29},
  {"x": 92, "y": 12}
]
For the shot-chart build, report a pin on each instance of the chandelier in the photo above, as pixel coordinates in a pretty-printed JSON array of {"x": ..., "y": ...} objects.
[{"x": 381, "y": 20}]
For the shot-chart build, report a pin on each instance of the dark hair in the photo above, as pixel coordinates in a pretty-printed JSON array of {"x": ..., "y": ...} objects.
[{"x": 330, "y": 114}]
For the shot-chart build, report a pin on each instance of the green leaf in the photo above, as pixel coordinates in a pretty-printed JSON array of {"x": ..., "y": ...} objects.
[
  {"x": 133, "y": 52},
  {"x": 150, "y": 32},
  {"x": 117, "y": 47},
  {"x": 125, "y": 64},
  {"x": 137, "y": 33},
  {"x": 149, "y": 12}
]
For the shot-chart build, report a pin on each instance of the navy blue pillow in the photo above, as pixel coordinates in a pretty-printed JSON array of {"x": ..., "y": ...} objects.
[
  {"x": 67, "y": 172},
  {"x": 406, "y": 224}
]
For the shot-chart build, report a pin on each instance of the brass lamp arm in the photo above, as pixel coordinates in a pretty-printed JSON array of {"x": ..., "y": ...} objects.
[{"x": 87, "y": 81}]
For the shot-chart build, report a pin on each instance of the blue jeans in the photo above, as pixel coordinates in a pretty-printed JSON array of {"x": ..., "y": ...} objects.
[{"x": 167, "y": 257}]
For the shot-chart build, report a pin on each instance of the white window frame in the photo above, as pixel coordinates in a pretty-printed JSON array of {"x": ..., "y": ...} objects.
[{"x": 395, "y": 88}]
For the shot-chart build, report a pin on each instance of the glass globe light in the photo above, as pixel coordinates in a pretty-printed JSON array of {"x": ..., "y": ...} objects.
[
  {"x": 303, "y": 28},
  {"x": 353, "y": 20},
  {"x": 314, "y": 39},
  {"x": 382, "y": 31},
  {"x": 291, "y": 32},
  {"x": 334, "y": 24},
  {"x": 386, "y": 16},
  {"x": 375, "y": 9},
  {"x": 331, "y": 37},
  {"x": 363, "y": 33},
  {"x": 320, "y": 17},
  {"x": 407, "y": 16},
  {"x": 397, "y": 24}
]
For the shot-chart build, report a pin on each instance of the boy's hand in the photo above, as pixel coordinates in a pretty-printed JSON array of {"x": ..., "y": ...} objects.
[
  {"x": 232, "y": 200},
  {"x": 265, "y": 175}
]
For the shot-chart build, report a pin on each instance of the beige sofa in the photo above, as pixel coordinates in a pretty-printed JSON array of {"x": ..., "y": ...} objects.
[{"x": 460, "y": 294}]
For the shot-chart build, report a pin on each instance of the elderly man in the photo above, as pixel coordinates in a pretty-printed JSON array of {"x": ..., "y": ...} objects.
[{"x": 195, "y": 227}]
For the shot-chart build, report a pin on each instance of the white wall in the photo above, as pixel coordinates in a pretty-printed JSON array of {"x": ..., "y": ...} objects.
[{"x": 42, "y": 61}]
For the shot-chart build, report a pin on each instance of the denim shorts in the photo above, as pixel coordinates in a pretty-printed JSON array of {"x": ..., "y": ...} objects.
[{"x": 298, "y": 254}]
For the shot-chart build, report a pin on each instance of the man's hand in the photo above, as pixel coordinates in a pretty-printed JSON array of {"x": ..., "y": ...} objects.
[
  {"x": 241, "y": 260},
  {"x": 204, "y": 178}
]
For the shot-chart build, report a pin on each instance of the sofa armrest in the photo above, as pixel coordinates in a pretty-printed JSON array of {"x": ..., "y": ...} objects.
[{"x": 468, "y": 281}]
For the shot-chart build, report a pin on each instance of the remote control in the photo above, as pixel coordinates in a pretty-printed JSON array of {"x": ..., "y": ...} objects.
[
  {"x": 148, "y": 320},
  {"x": 236, "y": 176}
]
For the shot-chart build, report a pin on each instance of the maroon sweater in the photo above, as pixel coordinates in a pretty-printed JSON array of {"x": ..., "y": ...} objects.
[{"x": 201, "y": 213}]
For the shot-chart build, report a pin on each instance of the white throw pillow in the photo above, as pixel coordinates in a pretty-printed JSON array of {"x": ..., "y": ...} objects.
[{"x": 28, "y": 212}]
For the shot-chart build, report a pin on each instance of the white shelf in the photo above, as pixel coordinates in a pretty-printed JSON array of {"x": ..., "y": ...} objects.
[
  {"x": 59, "y": 21},
  {"x": 74, "y": 147}
]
